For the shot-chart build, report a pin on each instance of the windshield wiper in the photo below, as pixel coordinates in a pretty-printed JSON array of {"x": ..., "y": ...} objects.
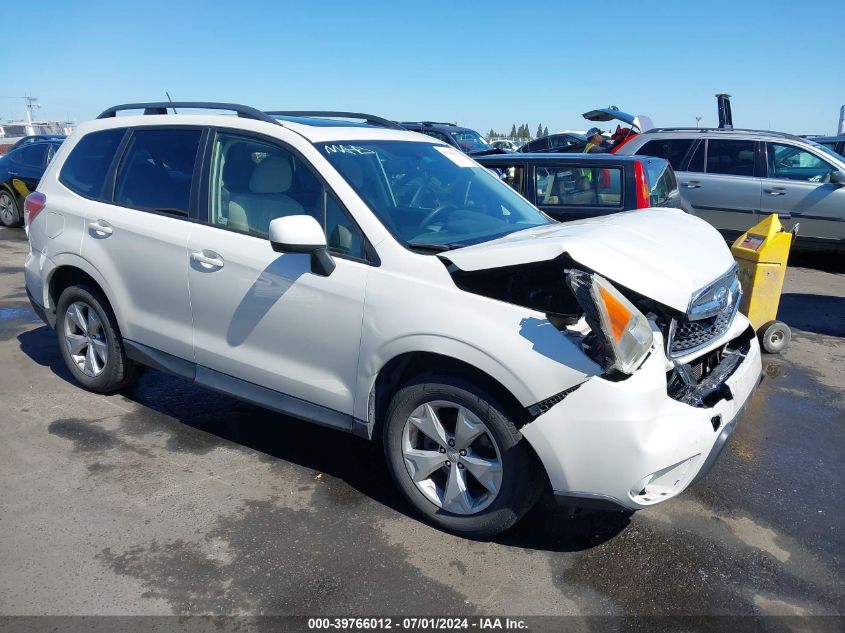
[{"x": 437, "y": 248}]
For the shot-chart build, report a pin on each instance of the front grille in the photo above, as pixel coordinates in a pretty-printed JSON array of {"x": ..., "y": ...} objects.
[{"x": 711, "y": 312}]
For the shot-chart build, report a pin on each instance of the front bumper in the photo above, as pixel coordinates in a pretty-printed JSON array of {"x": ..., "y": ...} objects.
[{"x": 628, "y": 444}]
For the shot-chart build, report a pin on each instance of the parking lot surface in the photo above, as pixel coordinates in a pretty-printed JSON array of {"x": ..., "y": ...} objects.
[{"x": 169, "y": 498}]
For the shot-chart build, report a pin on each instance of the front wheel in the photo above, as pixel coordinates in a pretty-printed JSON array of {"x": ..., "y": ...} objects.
[{"x": 457, "y": 458}]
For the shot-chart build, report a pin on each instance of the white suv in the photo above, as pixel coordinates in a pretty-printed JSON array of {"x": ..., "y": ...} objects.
[{"x": 380, "y": 282}]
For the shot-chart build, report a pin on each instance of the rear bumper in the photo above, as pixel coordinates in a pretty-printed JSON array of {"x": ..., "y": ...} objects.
[
  {"x": 38, "y": 308},
  {"x": 628, "y": 444}
]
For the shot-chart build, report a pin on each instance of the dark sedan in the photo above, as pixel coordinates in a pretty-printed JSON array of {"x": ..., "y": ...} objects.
[
  {"x": 564, "y": 142},
  {"x": 574, "y": 186},
  {"x": 20, "y": 171}
]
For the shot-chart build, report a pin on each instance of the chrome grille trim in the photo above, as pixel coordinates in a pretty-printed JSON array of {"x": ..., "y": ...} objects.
[{"x": 710, "y": 314}]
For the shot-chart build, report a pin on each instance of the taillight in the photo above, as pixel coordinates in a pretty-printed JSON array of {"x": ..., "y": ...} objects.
[
  {"x": 32, "y": 206},
  {"x": 641, "y": 186}
]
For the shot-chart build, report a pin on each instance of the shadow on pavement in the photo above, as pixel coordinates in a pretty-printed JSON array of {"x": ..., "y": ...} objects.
[
  {"x": 821, "y": 314},
  {"x": 199, "y": 420},
  {"x": 831, "y": 262}
]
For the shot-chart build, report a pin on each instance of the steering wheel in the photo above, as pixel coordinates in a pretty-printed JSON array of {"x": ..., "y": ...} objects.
[
  {"x": 416, "y": 185},
  {"x": 435, "y": 212}
]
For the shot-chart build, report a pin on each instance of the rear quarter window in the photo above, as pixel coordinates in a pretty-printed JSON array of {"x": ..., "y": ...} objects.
[
  {"x": 663, "y": 185},
  {"x": 84, "y": 171},
  {"x": 672, "y": 149}
]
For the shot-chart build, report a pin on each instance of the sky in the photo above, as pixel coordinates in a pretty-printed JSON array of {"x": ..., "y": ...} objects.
[{"x": 484, "y": 64}]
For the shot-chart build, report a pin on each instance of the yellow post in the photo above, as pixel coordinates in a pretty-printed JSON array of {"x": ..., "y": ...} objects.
[{"x": 762, "y": 253}]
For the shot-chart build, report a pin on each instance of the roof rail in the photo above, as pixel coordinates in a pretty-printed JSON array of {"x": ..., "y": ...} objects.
[
  {"x": 160, "y": 107},
  {"x": 330, "y": 114},
  {"x": 721, "y": 131}
]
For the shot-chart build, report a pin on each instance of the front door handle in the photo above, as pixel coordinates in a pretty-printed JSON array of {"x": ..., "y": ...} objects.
[
  {"x": 101, "y": 227},
  {"x": 777, "y": 191},
  {"x": 209, "y": 259},
  {"x": 12, "y": 174},
  {"x": 692, "y": 184}
]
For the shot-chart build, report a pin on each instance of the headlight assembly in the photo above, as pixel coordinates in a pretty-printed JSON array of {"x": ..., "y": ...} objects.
[{"x": 624, "y": 331}]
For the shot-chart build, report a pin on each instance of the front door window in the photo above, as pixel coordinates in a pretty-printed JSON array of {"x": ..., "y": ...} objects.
[{"x": 793, "y": 163}]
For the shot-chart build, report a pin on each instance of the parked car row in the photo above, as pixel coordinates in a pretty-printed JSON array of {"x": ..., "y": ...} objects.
[
  {"x": 383, "y": 283},
  {"x": 733, "y": 178},
  {"x": 20, "y": 170}
]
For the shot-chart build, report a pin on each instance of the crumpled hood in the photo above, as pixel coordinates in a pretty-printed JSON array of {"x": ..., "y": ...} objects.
[{"x": 663, "y": 254}]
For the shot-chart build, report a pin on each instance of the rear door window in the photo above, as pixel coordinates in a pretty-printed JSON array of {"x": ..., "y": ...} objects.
[
  {"x": 672, "y": 149},
  {"x": 793, "y": 163},
  {"x": 730, "y": 157},
  {"x": 539, "y": 145},
  {"x": 579, "y": 186},
  {"x": 85, "y": 169},
  {"x": 157, "y": 170},
  {"x": 435, "y": 134},
  {"x": 561, "y": 141}
]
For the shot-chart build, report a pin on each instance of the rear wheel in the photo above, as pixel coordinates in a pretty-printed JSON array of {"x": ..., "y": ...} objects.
[
  {"x": 90, "y": 341},
  {"x": 10, "y": 212},
  {"x": 457, "y": 458}
]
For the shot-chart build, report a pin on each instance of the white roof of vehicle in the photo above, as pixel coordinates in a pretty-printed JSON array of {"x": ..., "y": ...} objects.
[{"x": 314, "y": 133}]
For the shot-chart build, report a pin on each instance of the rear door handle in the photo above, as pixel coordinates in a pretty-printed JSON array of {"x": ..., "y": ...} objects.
[
  {"x": 101, "y": 227},
  {"x": 777, "y": 191},
  {"x": 692, "y": 184},
  {"x": 209, "y": 259}
]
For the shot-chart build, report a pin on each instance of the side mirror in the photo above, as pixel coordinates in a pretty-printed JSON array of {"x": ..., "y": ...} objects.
[
  {"x": 302, "y": 234},
  {"x": 837, "y": 177}
]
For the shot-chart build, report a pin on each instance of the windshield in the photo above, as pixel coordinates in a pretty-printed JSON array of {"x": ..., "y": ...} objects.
[
  {"x": 470, "y": 141},
  {"x": 431, "y": 196}
]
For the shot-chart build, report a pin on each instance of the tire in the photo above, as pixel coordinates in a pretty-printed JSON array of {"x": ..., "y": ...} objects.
[
  {"x": 10, "y": 210},
  {"x": 477, "y": 512},
  {"x": 100, "y": 364},
  {"x": 775, "y": 336}
]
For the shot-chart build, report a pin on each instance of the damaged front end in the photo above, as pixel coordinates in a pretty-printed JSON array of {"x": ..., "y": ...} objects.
[
  {"x": 616, "y": 326},
  {"x": 702, "y": 381},
  {"x": 583, "y": 305}
]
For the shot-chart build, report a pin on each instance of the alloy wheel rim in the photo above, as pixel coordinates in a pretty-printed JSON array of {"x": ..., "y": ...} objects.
[
  {"x": 85, "y": 339},
  {"x": 6, "y": 203},
  {"x": 452, "y": 457}
]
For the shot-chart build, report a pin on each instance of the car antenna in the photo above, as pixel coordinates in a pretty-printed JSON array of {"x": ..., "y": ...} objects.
[{"x": 170, "y": 100}]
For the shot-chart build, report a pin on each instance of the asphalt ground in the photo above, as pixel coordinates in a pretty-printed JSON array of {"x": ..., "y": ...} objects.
[{"x": 171, "y": 499}]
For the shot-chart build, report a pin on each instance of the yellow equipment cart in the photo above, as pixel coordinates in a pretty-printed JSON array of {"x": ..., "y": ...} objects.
[{"x": 761, "y": 253}]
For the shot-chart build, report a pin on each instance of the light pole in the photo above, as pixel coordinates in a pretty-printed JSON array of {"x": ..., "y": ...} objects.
[{"x": 697, "y": 119}]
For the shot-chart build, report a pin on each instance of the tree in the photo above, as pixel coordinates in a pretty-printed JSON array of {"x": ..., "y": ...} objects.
[
  {"x": 546, "y": 131},
  {"x": 539, "y": 130},
  {"x": 513, "y": 130},
  {"x": 492, "y": 134}
]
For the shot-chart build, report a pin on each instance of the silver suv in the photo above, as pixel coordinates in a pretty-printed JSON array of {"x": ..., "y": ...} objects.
[{"x": 733, "y": 178}]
